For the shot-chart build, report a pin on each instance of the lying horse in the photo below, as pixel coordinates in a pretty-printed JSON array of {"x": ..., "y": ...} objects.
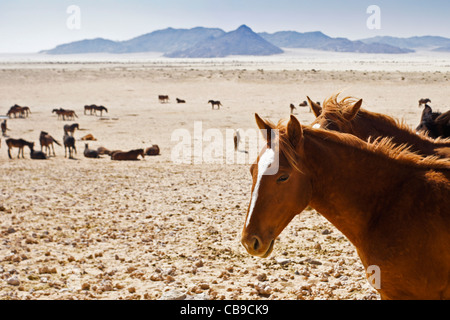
[
  {"x": 38, "y": 155},
  {"x": 90, "y": 153},
  {"x": 129, "y": 155},
  {"x": 18, "y": 143},
  {"x": 152, "y": 151},
  {"x": 180, "y": 101}
]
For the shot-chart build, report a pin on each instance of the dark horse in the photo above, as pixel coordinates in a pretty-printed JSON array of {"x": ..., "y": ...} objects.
[
  {"x": 37, "y": 154},
  {"x": 90, "y": 153},
  {"x": 69, "y": 143},
  {"x": 71, "y": 128},
  {"x": 152, "y": 151},
  {"x": 18, "y": 143},
  {"x": 215, "y": 103},
  {"x": 46, "y": 142},
  {"x": 128, "y": 155},
  {"x": 436, "y": 124},
  {"x": 101, "y": 109}
]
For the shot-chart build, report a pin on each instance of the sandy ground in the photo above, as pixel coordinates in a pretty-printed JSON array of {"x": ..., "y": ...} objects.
[{"x": 151, "y": 229}]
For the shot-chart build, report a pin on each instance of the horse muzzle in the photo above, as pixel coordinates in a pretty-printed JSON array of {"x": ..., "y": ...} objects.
[{"x": 256, "y": 246}]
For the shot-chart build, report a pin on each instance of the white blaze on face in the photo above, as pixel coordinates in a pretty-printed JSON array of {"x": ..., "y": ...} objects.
[
  {"x": 264, "y": 162},
  {"x": 316, "y": 126}
]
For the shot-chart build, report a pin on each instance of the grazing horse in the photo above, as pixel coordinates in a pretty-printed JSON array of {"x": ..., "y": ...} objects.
[
  {"x": 181, "y": 101},
  {"x": 435, "y": 124},
  {"x": 69, "y": 143},
  {"x": 90, "y": 153},
  {"x": 424, "y": 101},
  {"x": 101, "y": 109},
  {"x": 347, "y": 116},
  {"x": 69, "y": 114},
  {"x": 18, "y": 143},
  {"x": 128, "y": 155},
  {"x": 391, "y": 204},
  {"x": 163, "y": 98},
  {"x": 215, "y": 103},
  {"x": 152, "y": 151},
  {"x": 71, "y": 128},
  {"x": 89, "y": 108},
  {"x": 26, "y": 111},
  {"x": 46, "y": 142}
]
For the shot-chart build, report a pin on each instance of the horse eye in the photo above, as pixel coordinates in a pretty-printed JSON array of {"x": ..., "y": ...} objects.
[{"x": 283, "y": 178}]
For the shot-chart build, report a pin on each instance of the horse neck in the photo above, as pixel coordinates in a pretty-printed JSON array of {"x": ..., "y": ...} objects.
[
  {"x": 348, "y": 184},
  {"x": 366, "y": 127}
]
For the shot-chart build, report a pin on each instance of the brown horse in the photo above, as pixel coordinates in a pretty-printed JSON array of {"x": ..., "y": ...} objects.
[
  {"x": 215, "y": 103},
  {"x": 69, "y": 143},
  {"x": 292, "y": 108},
  {"x": 46, "y": 142},
  {"x": 434, "y": 124},
  {"x": 180, "y": 101},
  {"x": 348, "y": 117},
  {"x": 101, "y": 109},
  {"x": 37, "y": 154},
  {"x": 163, "y": 98},
  {"x": 22, "y": 111},
  {"x": 71, "y": 128},
  {"x": 128, "y": 155},
  {"x": 152, "y": 151},
  {"x": 18, "y": 143},
  {"x": 63, "y": 113},
  {"x": 391, "y": 204}
]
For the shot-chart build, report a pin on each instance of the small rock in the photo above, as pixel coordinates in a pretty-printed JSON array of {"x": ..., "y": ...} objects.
[
  {"x": 326, "y": 231},
  {"x": 282, "y": 261},
  {"x": 14, "y": 281},
  {"x": 173, "y": 295},
  {"x": 261, "y": 277},
  {"x": 317, "y": 246},
  {"x": 190, "y": 219}
]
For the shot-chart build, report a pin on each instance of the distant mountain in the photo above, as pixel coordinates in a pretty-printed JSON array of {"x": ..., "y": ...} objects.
[
  {"x": 214, "y": 42},
  {"x": 170, "y": 39},
  {"x": 86, "y": 46},
  {"x": 412, "y": 42},
  {"x": 242, "y": 41},
  {"x": 319, "y": 41}
]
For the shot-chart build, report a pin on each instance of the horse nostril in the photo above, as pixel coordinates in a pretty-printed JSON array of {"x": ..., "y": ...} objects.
[{"x": 256, "y": 244}]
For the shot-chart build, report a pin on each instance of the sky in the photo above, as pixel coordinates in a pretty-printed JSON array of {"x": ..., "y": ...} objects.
[{"x": 34, "y": 25}]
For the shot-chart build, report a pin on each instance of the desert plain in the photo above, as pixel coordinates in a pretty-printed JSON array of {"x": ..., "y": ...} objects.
[{"x": 159, "y": 229}]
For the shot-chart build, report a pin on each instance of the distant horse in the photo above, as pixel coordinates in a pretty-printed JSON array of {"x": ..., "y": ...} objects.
[
  {"x": 215, "y": 103},
  {"x": 69, "y": 114},
  {"x": 69, "y": 143},
  {"x": 303, "y": 104},
  {"x": 236, "y": 139},
  {"x": 347, "y": 116},
  {"x": 435, "y": 124},
  {"x": 424, "y": 101},
  {"x": 88, "y": 137},
  {"x": 14, "y": 110},
  {"x": 128, "y": 155},
  {"x": 71, "y": 128},
  {"x": 101, "y": 109},
  {"x": 26, "y": 111},
  {"x": 180, "y": 101},
  {"x": 18, "y": 143},
  {"x": 4, "y": 127},
  {"x": 89, "y": 108},
  {"x": 368, "y": 191},
  {"x": 163, "y": 98},
  {"x": 46, "y": 142},
  {"x": 90, "y": 153},
  {"x": 59, "y": 112},
  {"x": 103, "y": 150},
  {"x": 37, "y": 154},
  {"x": 152, "y": 151},
  {"x": 292, "y": 108}
]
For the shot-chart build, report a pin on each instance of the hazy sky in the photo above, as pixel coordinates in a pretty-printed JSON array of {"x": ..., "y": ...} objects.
[{"x": 33, "y": 25}]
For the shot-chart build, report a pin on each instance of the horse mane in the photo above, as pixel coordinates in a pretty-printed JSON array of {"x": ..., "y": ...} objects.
[
  {"x": 336, "y": 108},
  {"x": 383, "y": 147}
]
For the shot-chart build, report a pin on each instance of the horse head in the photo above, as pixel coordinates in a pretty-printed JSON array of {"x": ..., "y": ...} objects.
[{"x": 275, "y": 196}]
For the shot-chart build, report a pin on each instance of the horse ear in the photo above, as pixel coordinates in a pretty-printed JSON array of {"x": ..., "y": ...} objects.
[
  {"x": 351, "y": 112},
  {"x": 317, "y": 110},
  {"x": 265, "y": 128},
  {"x": 294, "y": 131}
]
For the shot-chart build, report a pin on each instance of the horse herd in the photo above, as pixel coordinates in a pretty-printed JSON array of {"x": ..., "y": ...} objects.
[
  {"x": 385, "y": 186},
  {"x": 165, "y": 99},
  {"x": 47, "y": 141}
]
